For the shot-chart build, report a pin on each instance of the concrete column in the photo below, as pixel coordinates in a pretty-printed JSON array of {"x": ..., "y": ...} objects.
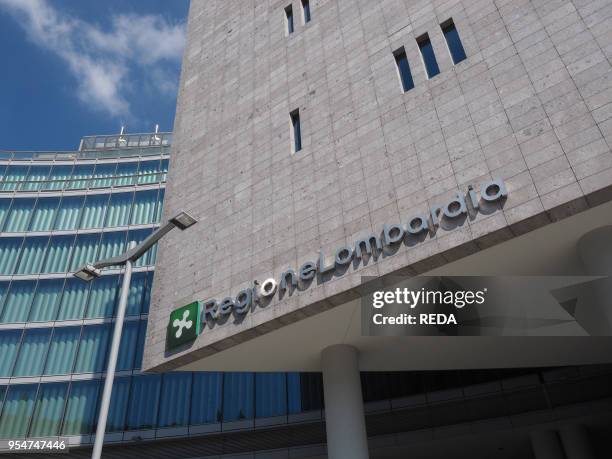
[
  {"x": 344, "y": 415},
  {"x": 576, "y": 442},
  {"x": 595, "y": 250},
  {"x": 546, "y": 445}
]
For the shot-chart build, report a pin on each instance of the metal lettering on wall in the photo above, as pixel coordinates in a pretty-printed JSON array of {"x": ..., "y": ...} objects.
[{"x": 448, "y": 215}]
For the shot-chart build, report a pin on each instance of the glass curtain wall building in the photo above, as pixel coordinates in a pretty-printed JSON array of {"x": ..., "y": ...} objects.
[{"x": 57, "y": 211}]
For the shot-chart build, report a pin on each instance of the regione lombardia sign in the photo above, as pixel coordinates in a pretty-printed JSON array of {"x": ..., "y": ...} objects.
[{"x": 188, "y": 321}]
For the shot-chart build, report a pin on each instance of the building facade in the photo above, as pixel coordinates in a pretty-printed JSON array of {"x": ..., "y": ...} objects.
[
  {"x": 444, "y": 137},
  {"x": 58, "y": 211}
]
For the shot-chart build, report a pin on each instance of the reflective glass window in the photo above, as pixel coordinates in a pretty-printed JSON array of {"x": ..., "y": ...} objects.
[
  {"x": 9, "y": 254},
  {"x": 18, "y": 301},
  {"x": 174, "y": 400},
  {"x": 305, "y": 392},
  {"x": 455, "y": 47},
  {"x": 289, "y": 19},
  {"x": 206, "y": 398},
  {"x": 135, "y": 297},
  {"x": 5, "y": 204},
  {"x": 46, "y": 300},
  {"x": 164, "y": 168},
  {"x": 81, "y": 176},
  {"x": 147, "y": 294},
  {"x": 238, "y": 391},
  {"x": 91, "y": 356},
  {"x": 126, "y": 174},
  {"x": 94, "y": 211},
  {"x": 160, "y": 206},
  {"x": 36, "y": 178},
  {"x": 270, "y": 394},
  {"x": 85, "y": 250},
  {"x": 118, "y": 213},
  {"x": 58, "y": 254},
  {"x": 103, "y": 175},
  {"x": 118, "y": 405},
  {"x": 9, "y": 345},
  {"x": 145, "y": 203},
  {"x": 44, "y": 214},
  {"x": 58, "y": 179},
  {"x": 3, "y": 291},
  {"x": 149, "y": 172},
  {"x": 13, "y": 177},
  {"x": 102, "y": 297},
  {"x": 32, "y": 255},
  {"x": 17, "y": 410},
  {"x": 112, "y": 244},
  {"x": 142, "y": 334},
  {"x": 428, "y": 55},
  {"x": 32, "y": 352},
  {"x": 74, "y": 299},
  {"x": 48, "y": 410},
  {"x": 69, "y": 213},
  {"x": 135, "y": 238},
  {"x": 81, "y": 408},
  {"x": 62, "y": 351},
  {"x": 306, "y": 11},
  {"x": 127, "y": 347},
  {"x": 19, "y": 215},
  {"x": 144, "y": 399},
  {"x": 403, "y": 69}
]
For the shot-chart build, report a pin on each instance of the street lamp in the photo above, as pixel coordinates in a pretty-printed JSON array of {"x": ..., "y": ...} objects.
[{"x": 91, "y": 271}]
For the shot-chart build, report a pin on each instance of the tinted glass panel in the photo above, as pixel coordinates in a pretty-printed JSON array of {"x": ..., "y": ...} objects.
[
  {"x": 144, "y": 399},
  {"x": 18, "y": 301},
  {"x": 174, "y": 405},
  {"x": 102, "y": 297},
  {"x": 403, "y": 69},
  {"x": 62, "y": 351},
  {"x": 238, "y": 392},
  {"x": 44, "y": 214},
  {"x": 32, "y": 353},
  {"x": 81, "y": 408},
  {"x": 118, "y": 405},
  {"x": 58, "y": 254},
  {"x": 118, "y": 213},
  {"x": 46, "y": 300},
  {"x": 94, "y": 211},
  {"x": 429, "y": 57},
  {"x": 19, "y": 215},
  {"x": 206, "y": 398},
  {"x": 306, "y": 10},
  {"x": 17, "y": 410},
  {"x": 48, "y": 410},
  {"x": 69, "y": 213},
  {"x": 9, "y": 345},
  {"x": 38, "y": 174},
  {"x": 455, "y": 47},
  {"x": 9, "y": 254},
  {"x": 289, "y": 18},
  {"x": 92, "y": 350},
  {"x": 270, "y": 394},
  {"x": 74, "y": 299},
  {"x": 58, "y": 179},
  {"x": 32, "y": 255}
]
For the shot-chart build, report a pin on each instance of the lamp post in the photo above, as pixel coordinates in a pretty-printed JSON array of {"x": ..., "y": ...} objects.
[{"x": 91, "y": 271}]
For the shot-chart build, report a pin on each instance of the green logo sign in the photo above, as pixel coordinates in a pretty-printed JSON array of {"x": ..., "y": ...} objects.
[{"x": 184, "y": 325}]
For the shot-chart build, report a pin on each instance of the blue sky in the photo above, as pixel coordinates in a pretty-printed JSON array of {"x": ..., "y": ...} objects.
[{"x": 80, "y": 67}]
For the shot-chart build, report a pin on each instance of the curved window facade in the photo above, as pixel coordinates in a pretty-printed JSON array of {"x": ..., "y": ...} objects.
[{"x": 58, "y": 211}]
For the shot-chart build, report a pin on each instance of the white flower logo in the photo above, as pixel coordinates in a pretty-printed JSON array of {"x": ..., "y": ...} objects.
[{"x": 183, "y": 323}]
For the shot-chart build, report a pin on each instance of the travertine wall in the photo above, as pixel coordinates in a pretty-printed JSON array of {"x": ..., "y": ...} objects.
[{"x": 530, "y": 104}]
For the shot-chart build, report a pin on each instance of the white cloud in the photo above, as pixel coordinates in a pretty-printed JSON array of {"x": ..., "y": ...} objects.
[{"x": 103, "y": 61}]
